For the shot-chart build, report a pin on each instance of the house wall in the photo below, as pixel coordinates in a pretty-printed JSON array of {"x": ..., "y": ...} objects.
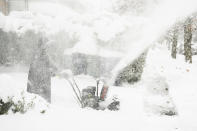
[{"x": 95, "y": 66}]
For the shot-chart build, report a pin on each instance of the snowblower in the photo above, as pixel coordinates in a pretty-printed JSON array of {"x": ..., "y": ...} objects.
[{"x": 92, "y": 96}]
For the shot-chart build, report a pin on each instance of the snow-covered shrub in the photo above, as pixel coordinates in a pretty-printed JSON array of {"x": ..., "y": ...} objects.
[
  {"x": 14, "y": 98},
  {"x": 20, "y": 106},
  {"x": 157, "y": 86},
  {"x": 159, "y": 105},
  {"x": 5, "y": 106},
  {"x": 23, "y": 104},
  {"x": 132, "y": 73},
  {"x": 157, "y": 99},
  {"x": 157, "y": 89}
]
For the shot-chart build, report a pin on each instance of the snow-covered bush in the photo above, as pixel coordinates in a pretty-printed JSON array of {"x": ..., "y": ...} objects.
[
  {"x": 159, "y": 105},
  {"x": 14, "y": 98},
  {"x": 157, "y": 99},
  {"x": 132, "y": 73},
  {"x": 5, "y": 107},
  {"x": 157, "y": 86},
  {"x": 22, "y": 105}
]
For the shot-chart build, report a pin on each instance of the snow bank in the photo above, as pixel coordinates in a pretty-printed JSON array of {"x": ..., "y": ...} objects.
[
  {"x": 12, "y": 89},
  {"x": 10, "y": 85},
  {"x": 161, "y": 71}
]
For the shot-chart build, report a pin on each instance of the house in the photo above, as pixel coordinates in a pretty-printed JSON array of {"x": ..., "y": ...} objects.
[
  {"x": 7, "y": 6},
  {"x": 91, "y": 60}
]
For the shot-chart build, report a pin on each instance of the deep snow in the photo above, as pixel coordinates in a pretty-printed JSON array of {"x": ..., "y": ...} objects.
[{"x": 65, "y": 114}]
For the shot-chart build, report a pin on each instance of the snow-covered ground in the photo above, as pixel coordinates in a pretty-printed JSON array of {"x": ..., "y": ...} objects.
[{"x": 65, "y": 114}]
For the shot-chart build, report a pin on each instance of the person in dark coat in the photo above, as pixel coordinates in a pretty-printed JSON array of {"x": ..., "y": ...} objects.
[{"x": 40, "y": 72}]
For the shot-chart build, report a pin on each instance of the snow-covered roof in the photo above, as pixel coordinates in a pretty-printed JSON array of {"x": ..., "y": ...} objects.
[{"x": 92, "y": 49}]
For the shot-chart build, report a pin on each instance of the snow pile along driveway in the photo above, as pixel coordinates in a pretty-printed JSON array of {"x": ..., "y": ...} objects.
[{"x": 14, "y": 90}]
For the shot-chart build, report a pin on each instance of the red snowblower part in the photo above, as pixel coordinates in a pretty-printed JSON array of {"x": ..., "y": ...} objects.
[{"x": 104, "y": 91}]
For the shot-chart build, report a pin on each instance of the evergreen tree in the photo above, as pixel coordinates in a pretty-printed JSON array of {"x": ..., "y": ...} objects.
[{"x": 133, "y": 72}]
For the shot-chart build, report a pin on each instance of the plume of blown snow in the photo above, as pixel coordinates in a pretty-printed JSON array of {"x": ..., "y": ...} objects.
[{"x": 165, "y": 15}]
